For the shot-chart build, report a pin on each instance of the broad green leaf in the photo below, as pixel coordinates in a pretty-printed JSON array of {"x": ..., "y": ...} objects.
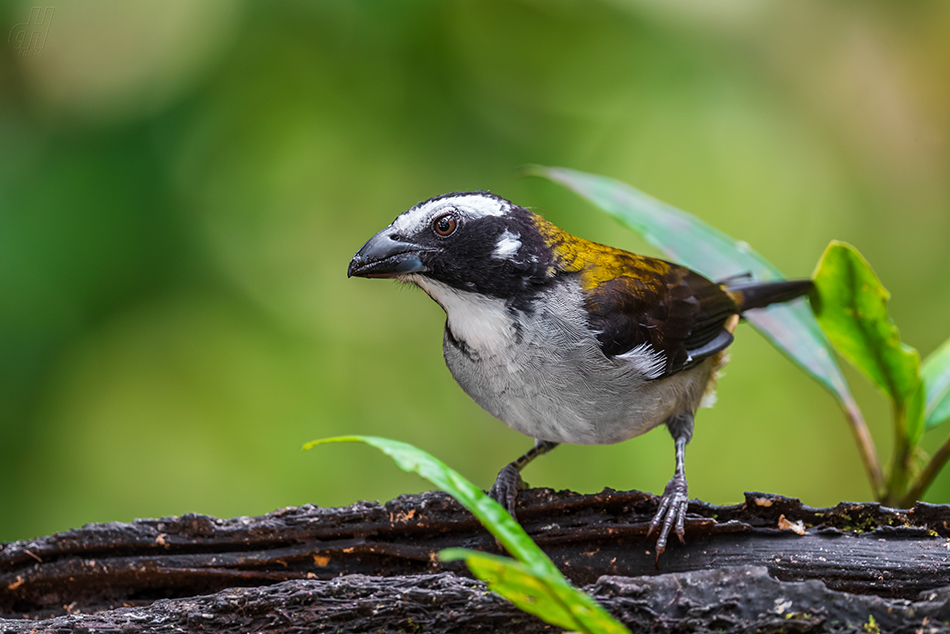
[
  {"x": 555, "y": 601},
  {"x": 688, "y": 240},
  {"x": 935, "y": 372},
  {"x": 495, "y": 518},
  {"x": 850, "y": 304}
]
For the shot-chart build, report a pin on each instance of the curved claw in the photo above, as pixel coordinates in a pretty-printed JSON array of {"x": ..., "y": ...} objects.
[
  {"x": 506, "y": 487},
  {"x": 671, "y": 513}
]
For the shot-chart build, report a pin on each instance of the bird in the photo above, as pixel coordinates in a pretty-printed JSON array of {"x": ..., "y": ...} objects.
[{"x": 563, "y": 339}]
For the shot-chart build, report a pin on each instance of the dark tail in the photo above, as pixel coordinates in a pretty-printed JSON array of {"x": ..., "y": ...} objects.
[{"x": 761, "y": 294}]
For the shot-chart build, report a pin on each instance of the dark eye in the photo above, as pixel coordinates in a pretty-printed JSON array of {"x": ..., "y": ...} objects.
[{"x": 445, "y": 225}]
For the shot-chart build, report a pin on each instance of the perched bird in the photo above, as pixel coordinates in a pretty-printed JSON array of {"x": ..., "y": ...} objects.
[{"x": 563, "y": 339}]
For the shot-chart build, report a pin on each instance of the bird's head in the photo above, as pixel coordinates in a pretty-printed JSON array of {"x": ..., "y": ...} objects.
[{"x": 468, "y": 241}]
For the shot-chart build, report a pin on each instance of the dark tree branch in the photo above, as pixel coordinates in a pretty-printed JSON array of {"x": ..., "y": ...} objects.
[
  {"x": 728, "y": 600},
  {"x": 866, "y": 552}
]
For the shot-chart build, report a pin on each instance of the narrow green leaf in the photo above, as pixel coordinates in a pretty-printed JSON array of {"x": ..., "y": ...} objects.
[
  {"x": 936, "y": 375},
  {"x": 850, "y": 304},
  {"x": 688, "y": 240},
  {"x": 533, "y": 583},
  {"x": 555, "y": 601},
  {"x": 495, "y": 518}
]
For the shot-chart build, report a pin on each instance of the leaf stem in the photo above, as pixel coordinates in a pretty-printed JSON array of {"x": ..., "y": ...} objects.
[
  {"x": 900, "y": 463},
  {"x": 926, "y": 477},
  {"x": 866, "y": 449}
]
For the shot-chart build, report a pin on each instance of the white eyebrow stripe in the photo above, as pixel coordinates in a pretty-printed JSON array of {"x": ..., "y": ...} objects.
[
  {"x": 409, "y": 223},
  {"x": 507, "y": 245},
  {"x": 471, "y": 207},
  {"x": 479, "y": 206}
]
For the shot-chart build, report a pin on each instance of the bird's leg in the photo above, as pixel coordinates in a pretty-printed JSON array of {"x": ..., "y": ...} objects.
[
  {"x": 671, "y": 512},
  {"x": 509, "y": 482}
]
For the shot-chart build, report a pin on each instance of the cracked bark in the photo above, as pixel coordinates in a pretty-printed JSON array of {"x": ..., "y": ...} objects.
[{"x": 373, "y": 566}]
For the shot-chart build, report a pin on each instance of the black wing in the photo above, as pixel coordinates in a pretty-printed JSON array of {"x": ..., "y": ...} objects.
[{"x": 674, "y": 310}]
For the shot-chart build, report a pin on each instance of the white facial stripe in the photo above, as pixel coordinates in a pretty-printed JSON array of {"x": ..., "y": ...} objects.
[
  {"x": 470, "y": 207},
  {"x": 507, "y": 245}
]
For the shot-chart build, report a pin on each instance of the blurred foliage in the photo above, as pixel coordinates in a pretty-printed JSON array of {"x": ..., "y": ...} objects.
[{"x": 182, "y": 186}]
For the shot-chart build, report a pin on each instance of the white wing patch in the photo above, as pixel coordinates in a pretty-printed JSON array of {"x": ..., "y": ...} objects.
[
  {"x": 645, "y": 360},
  {"x": 507, "y": 245}
]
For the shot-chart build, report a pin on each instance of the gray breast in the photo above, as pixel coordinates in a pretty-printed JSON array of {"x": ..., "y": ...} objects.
[{"x": 543, "y": 373}]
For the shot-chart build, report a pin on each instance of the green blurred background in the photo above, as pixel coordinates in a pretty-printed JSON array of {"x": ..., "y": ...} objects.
[{"x": 183, "y": 183}]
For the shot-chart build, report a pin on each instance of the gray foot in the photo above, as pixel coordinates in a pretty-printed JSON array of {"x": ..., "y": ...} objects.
[
  {"x": 671, "y": 512},
  {"x": 506, "y": 487}
]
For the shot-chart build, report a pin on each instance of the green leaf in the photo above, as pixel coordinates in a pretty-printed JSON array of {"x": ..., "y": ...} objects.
[
  {"x": 935, "y": 372},
  {"x": 533, "y": 583},
  {"x": 850, "y": 304},
  {"x": 495, "y": 518},
  {"x": 686, "y": 239},
  {"x": 556, "y": 602}
]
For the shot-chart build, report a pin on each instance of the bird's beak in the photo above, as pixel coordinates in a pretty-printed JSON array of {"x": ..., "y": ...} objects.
[{"x": 384, "y": 256}]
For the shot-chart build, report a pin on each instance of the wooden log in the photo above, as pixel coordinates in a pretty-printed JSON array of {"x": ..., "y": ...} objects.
[
  {"x": 853, "y": 549},
  {"x": 744, "y": 599}
]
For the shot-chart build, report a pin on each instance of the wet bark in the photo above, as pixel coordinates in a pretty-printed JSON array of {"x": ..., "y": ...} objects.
[{"x": 373, "y": 566}]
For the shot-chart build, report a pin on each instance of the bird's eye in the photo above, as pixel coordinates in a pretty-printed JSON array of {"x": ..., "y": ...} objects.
[{"x": 445, "y": 225}]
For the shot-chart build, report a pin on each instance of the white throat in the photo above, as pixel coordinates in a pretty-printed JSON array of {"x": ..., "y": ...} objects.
[{"x": 481, "y": 322}]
